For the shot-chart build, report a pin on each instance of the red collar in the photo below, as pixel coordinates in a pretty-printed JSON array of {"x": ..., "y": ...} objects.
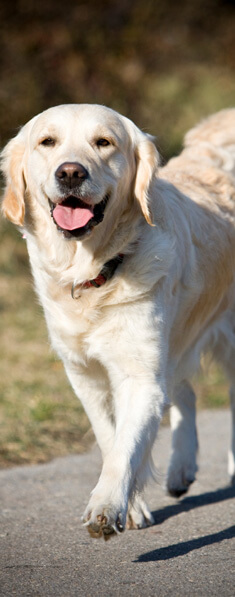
[{"x": 105, "y": 274}]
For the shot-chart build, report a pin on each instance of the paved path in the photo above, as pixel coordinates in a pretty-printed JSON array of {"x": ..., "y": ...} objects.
[{"x": 46, "y": 552}]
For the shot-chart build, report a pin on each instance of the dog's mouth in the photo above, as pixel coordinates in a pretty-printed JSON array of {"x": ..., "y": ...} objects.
[{"x": 75, "y": 218}]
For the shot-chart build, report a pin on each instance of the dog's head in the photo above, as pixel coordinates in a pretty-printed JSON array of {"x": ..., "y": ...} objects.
[{"x": 78, "y": 162}]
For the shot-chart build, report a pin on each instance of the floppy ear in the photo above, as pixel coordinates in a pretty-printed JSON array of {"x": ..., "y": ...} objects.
[
  {"x": 13, "y": 206},
  {"x": 147, "y": 159}
]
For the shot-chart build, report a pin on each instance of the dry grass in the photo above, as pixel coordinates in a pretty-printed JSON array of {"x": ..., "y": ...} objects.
[{"x": 39, "y": 416}]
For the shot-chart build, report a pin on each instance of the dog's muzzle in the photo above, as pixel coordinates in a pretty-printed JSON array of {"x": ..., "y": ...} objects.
[
  {"x": 74, "y": 215},
  {"x": 76, "y": 218}
]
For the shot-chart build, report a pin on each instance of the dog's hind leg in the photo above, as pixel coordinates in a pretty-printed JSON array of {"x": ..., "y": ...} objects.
[
  {"x": 223, "y": 350},
  {"x": 182, "y": 466}
]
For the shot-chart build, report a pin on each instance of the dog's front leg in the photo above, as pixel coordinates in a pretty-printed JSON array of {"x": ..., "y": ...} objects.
[
  {"x": 139, "y": 401},
  {"x": 92, "y": 387}
]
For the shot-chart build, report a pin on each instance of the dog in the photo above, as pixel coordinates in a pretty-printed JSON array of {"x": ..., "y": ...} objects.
[{"x": 134, "y": 265}]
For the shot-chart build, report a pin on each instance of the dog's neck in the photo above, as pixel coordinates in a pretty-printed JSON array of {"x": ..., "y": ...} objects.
[{"x": 107, "y": 272}]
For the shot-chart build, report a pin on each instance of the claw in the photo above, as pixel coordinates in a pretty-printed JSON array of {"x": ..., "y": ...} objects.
[{"x": 119, "y": 526}]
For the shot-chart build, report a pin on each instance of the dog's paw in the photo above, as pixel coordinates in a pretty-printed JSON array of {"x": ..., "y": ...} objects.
[
  {"x": 103, "y": 521},
  {"x": 231, "y": 467},
  {"x": 138, "y": 515},
  {"x": 180, "y": 477}
]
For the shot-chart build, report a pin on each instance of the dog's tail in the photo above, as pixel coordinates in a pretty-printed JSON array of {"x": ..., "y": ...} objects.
[{"x": 215, "y": 137}]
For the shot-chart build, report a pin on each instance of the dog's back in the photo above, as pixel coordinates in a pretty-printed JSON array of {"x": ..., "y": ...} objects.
[
  {"x": 210, "y": 144},
  {"x": 215, "y": 137}
]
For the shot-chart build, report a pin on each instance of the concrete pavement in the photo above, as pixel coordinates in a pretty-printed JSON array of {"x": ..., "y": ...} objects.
[{"x": 190, "y": 551}]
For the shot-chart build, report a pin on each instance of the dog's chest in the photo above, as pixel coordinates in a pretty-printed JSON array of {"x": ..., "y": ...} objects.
[{"x": 70, "y": 322}]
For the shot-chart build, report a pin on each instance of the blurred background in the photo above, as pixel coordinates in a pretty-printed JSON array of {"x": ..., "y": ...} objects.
[{"x": 163, "y": 64}]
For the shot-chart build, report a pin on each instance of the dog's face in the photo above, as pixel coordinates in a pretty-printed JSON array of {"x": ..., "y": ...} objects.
[{"x": 78, "y": 162}]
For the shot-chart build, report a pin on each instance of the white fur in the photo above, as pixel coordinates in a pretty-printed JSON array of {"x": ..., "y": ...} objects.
[{"x": 132, "y": 344}]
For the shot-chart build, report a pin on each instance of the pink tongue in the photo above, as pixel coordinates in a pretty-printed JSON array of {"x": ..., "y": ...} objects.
[{"x": 71, "y": 218}]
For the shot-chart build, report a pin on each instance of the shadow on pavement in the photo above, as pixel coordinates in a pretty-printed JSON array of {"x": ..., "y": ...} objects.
[
  {"x": 185, "y": 505},
  {"x": 180, "y": 549},
  {"x": 192, "y": 502}
]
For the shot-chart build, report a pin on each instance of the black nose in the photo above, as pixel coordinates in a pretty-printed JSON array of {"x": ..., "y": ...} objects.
[{"x": 71, "y": 174}]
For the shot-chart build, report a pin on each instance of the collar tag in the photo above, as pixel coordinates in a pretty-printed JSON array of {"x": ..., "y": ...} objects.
[{"x": 105, "y": 274}]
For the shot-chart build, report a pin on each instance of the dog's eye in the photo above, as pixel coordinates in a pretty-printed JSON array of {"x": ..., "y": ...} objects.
[
  {"x": 102, "y": 142},
  {"x": 48, "y": 142}
]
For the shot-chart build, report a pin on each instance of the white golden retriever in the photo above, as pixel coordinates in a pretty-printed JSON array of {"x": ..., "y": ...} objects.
[{"x": 134, "y": 267}]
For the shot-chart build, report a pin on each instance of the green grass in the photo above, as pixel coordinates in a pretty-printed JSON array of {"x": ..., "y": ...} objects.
[
  {"x": 178, "y": 99},
  {"x": 212, "y": 388}
]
